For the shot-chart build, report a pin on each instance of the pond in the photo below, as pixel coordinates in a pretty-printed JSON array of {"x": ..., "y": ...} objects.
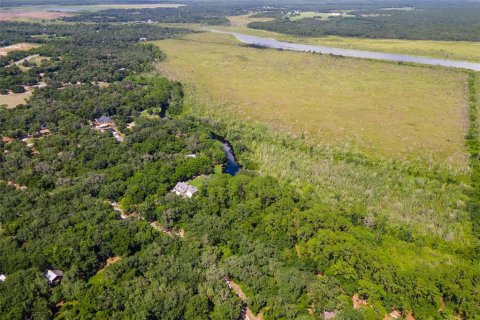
[{"x": 232, "y": 166}]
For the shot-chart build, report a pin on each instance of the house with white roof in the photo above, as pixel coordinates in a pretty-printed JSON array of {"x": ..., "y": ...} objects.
[
  {"x": 3, "y": 277},
  {"x": 184, "y": 189},
  {"x": 53, "y": 276}
]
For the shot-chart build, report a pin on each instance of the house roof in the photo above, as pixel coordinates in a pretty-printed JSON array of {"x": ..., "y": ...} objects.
[
  {"x": 52, "y": 275},
  {"x": 3, "y": 277},
  {"x": 184, "y": 188},
  {"x": 104, "y": 119}
]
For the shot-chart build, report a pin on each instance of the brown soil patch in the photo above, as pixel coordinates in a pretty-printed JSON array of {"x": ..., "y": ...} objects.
[
  {"x": 251, "y": 316},
  {"x": 14, "y": 184},
  {"x": 16, "y": 47},
  {"x": 395, "y": 314},
  {"x": 239, "y": 292},
  {"x": 113, "y": 260},
  {"x": 358, "y": 302},
  {"x": 7, "y": 140}
]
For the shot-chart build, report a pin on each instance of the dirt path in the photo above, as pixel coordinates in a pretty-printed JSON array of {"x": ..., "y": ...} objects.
[
  {"x": 14, "y": 184},
  {"x": 180, "y": 233},
  {"x": 239, "y": 292}
]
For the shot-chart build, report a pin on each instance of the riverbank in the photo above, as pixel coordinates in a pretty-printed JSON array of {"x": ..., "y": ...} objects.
[{"x": 276, "y": 44}]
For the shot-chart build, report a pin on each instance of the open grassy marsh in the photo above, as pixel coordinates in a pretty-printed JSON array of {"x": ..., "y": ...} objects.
[
  {"x": 385, "y": 109},
  {"x": 428, "y": 200}
]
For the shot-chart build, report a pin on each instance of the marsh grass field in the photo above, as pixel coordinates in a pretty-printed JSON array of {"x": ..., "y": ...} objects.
[
  {"x": 377, "y": 137},
  {"x": 386, "y": 109},
  {"x": 425, "y": 199}
]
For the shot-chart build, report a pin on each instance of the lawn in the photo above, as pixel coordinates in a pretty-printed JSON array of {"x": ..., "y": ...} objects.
[{"x": 396, "y": 111}]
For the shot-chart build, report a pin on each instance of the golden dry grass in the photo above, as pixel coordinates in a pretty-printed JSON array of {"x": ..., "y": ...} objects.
[
  {"x": 11, "y": 100},
  {"x": 244, "y": 20},
  {"x": 17, "y": 47},
  {"x": 20, "y": 15},
  {"x": 383, "y": 108}
]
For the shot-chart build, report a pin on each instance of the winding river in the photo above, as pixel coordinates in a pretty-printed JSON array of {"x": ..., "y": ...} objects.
[
  {"x": 275, "y": 44},
  {"x": 232, "y": 166}
]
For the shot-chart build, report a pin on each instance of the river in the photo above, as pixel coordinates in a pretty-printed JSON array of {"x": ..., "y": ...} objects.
[
  {"x": 232, "y": 166},
  {"x": 275, "y": 44}
]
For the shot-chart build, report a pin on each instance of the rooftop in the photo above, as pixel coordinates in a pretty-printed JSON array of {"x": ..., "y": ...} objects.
[{"x": 184, "y": 189}]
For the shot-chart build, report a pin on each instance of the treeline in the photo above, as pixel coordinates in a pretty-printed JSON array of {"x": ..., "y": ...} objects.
[
  {"x": 14, "y": 79},
  {"x": 194, "y": 13},
  {"x": 473, "y": 144},
  {"x": 460, "y": 23}
]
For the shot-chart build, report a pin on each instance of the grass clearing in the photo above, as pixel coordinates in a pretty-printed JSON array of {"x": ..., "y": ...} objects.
[
  {"x": 17, "y": 47},
  {"x": 12, "y": 100},
  {"x": 317, "y": 15},
  {"x": 30, "y": 15},
  {"x": 244, "y": 20},
  {"x": 396, "y": 111}
]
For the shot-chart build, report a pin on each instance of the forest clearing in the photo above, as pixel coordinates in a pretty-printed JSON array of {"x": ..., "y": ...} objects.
[{"x": 17, "y": 47}]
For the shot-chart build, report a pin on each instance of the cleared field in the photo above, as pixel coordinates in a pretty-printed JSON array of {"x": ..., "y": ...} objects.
[
  {"x": 400, "y": 112},
  {"x": 455, "y": 50},
  {"x": 243, "y": 20},
  {"x": 41, "y": 12},
  {"x": 318, "y": 15},
  {"x": 17, "y": 47},
  {"x": 121, "y": 6},
  {"x": 19, "y": 15},
  {"x": 12, "y": 100}
]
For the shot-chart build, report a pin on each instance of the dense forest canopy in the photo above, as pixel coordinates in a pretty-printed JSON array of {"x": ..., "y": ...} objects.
[
  {"x": 443, "y": 22},
  {"x": 63, "y": 183}
]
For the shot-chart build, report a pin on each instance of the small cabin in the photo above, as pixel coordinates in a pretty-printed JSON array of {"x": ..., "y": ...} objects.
[
  {"x": 104, "y": 122},
  {"x": 53, "y": 276},
  {"x": 184, "y": 189}
]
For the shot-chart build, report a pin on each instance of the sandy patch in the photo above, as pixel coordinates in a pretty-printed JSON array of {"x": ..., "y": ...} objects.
[
  {"x": 358, "y": 302},
  {"x": 113, "y": 260},
  {"x": 16, "y": 47}
]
